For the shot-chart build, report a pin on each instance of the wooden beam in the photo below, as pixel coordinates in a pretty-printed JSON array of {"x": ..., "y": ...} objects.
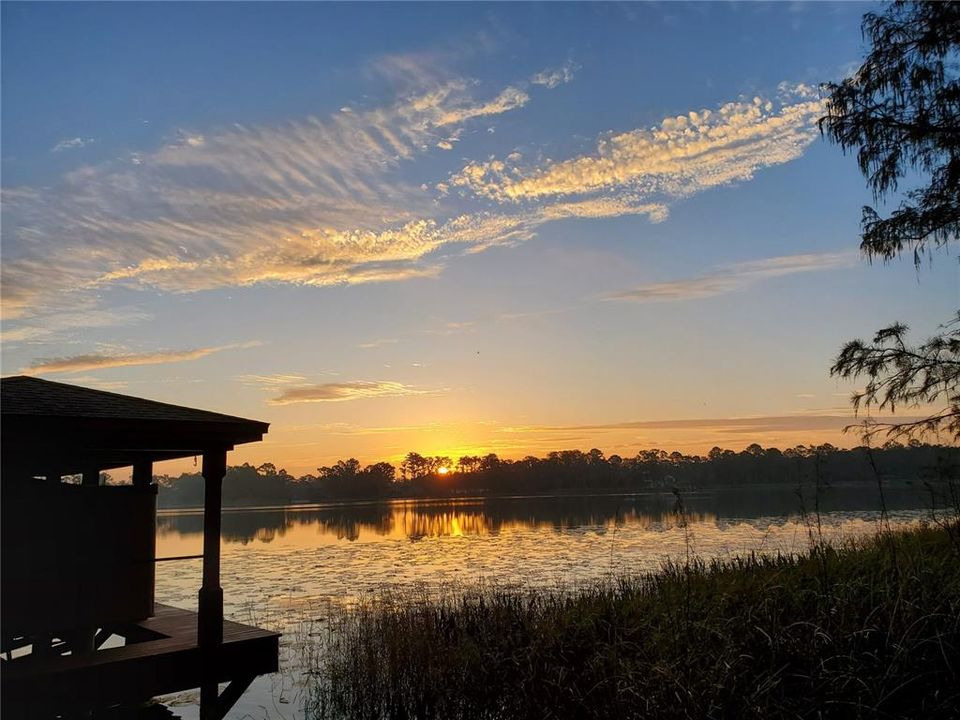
[
  {"x": 166, "y": 660},
  {"x": 142, "y": 473},
  {"x": 91, "y": 477},
  {"x": 231, "y": 693},
  {"x": 103, "y": 634},
  {"x": 210, "y": 620},
  {"x": 208, "y": 699}
]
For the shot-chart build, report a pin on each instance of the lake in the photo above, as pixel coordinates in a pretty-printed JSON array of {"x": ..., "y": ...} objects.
[{"x": 283, "y": 568}]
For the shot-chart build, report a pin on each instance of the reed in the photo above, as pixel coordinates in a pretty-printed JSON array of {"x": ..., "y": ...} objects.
[{"x": 866, "y": 629}]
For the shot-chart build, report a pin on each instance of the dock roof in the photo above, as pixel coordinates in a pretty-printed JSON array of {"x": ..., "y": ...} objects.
[{"x": 72, "y": 427}]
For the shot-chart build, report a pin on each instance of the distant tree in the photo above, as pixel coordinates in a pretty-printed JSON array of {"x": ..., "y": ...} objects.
[
  {"x": 468, "y": 463},
  {"x": 382, "y": 471},
  {"x": 435, "y": 463},
  {"x": 414, "y": 466},
  {"x": 901, "y": 113},
  {"x": 488, "y": 463},
  {"x": 342, "y": 470}
]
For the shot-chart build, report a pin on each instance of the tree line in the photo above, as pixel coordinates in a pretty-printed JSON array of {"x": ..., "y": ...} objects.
[{"x": 570, "y": 471}]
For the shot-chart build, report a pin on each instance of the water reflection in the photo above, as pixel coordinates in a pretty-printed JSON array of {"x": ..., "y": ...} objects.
[
  {"x": 284, "y": 568},
  {"x": 415, "y": 520}
]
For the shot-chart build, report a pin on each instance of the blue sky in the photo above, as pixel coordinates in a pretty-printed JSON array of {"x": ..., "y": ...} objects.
[{"x": 446, "y": 228}]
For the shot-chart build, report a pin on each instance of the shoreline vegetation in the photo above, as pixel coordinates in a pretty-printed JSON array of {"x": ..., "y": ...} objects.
[
  {"x": 569, "y": 472},
  {"x": 864, "y": 629}
]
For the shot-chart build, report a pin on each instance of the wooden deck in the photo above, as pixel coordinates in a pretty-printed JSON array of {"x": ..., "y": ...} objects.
[{"x": 161, "y": 656}]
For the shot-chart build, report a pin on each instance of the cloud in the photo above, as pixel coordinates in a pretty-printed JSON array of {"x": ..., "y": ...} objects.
[
  {"x": 102, "y": 361},
  {"x": 271, "y": 381},
  {"x": 800, "y": 422},
  {"x": 379, "y": 342},
  {"x": 315, "y": 201},
  {"x": 455, "y": 328},
  {"x": 76, "y": 316},
  {"x": 680, "y": 156},
  {"x": 605, "y": 207},
  {"x": 97, "y": 383},
  {"x": 72, "y": 144},
  {"x": 344, "y": 391},
  {"x": 550, "y": 78},
  {"x": 734, "y": 277},
  {"x": 318, "y": 201},
  {"x": 509, "y": 99}
]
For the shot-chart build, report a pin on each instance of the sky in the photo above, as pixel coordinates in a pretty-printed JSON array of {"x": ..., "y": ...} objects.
[{"x": 448, "y": 228}]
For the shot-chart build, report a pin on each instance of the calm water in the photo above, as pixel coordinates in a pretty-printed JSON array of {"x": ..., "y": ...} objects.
[{"x": 284, "y": 567}]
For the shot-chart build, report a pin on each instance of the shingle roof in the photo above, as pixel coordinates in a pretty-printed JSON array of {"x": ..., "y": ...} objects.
[{"x": 25, "y": 395}]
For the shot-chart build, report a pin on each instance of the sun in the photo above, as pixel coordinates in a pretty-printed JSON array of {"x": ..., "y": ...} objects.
[{"x": 443, "y": 470}]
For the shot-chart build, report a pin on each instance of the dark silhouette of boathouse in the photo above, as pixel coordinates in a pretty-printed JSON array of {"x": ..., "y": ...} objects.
[{"x": 78, "y": 557}]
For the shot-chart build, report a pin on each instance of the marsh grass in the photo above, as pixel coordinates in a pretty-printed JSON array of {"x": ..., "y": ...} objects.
[{"x": 867, "y": 629}]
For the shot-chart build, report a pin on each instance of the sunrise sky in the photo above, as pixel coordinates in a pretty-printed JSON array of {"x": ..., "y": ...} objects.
[{"x": 448, "y": 228}]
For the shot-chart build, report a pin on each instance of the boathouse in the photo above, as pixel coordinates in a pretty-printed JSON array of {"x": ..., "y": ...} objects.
[{"x": 78, "y": 557}]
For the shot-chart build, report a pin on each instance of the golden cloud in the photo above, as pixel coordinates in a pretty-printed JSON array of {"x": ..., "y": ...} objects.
[
  {"x": 734, "y": 277},
  {"x": 102, "y": 361},
  {"x": 344, "y": 391},
  {"x": 680, "y": 156}
]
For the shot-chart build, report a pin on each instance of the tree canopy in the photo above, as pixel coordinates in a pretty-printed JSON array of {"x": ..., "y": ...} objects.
[{"x": 900, "y": 111}]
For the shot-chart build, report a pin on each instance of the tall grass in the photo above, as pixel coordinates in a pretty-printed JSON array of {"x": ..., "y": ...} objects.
[{"x": 869, "y": 629}]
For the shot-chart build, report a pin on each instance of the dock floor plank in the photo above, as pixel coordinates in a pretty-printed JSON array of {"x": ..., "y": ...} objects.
[{"x": 171, "y": 661}]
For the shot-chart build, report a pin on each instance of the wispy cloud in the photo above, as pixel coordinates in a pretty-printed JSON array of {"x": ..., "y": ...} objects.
[
  {"x": 102, "y": 361},
  {"x": 318, "y": 201},
  {"x": 555, "y": 76},
  {"x": 379, "y": 342},
  {"x": 98, "y": 383},
  {"x": 77, "y": 316},
  {"x": 315, "y": 201},
  {"x": 72, "y": 144},
  {"x": 510, "y": 99},
  {"x": 734, "y": 278},
  {"x": 344, "y": 391},
  {"x": 271, "y": 381},
  {"x": 799, "y": 422},
  {"x": 680, "y": 156}
]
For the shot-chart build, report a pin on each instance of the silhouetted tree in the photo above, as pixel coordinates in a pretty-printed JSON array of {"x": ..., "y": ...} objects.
[
  {"x": 382, "y": 471},
  {"x": 414, "y": 466},
  {"x": 468, "y": 463},
  {"x": 898, "y": 374},
  {"x": 570, "y": 470},
  {"x": 440, "y": 461},
  {"x": 901, "y": 113}
]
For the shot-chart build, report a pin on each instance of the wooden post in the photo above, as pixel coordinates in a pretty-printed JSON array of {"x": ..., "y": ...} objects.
[
  {"x": 142, "y": 478},
  {"x": 142, "y": 473},
  {"x": 91, "y": 477},
  {"x": 210, "y": 621},
  {"x": 210, "y": 616}
]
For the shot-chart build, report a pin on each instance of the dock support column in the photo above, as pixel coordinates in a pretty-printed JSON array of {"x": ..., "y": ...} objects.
[
  {"x": 210, "y": 616},
  {"x": 142, "y": 479},
  {"x": 210, "y": 621},
  {"x": 142, "y": 473}
]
